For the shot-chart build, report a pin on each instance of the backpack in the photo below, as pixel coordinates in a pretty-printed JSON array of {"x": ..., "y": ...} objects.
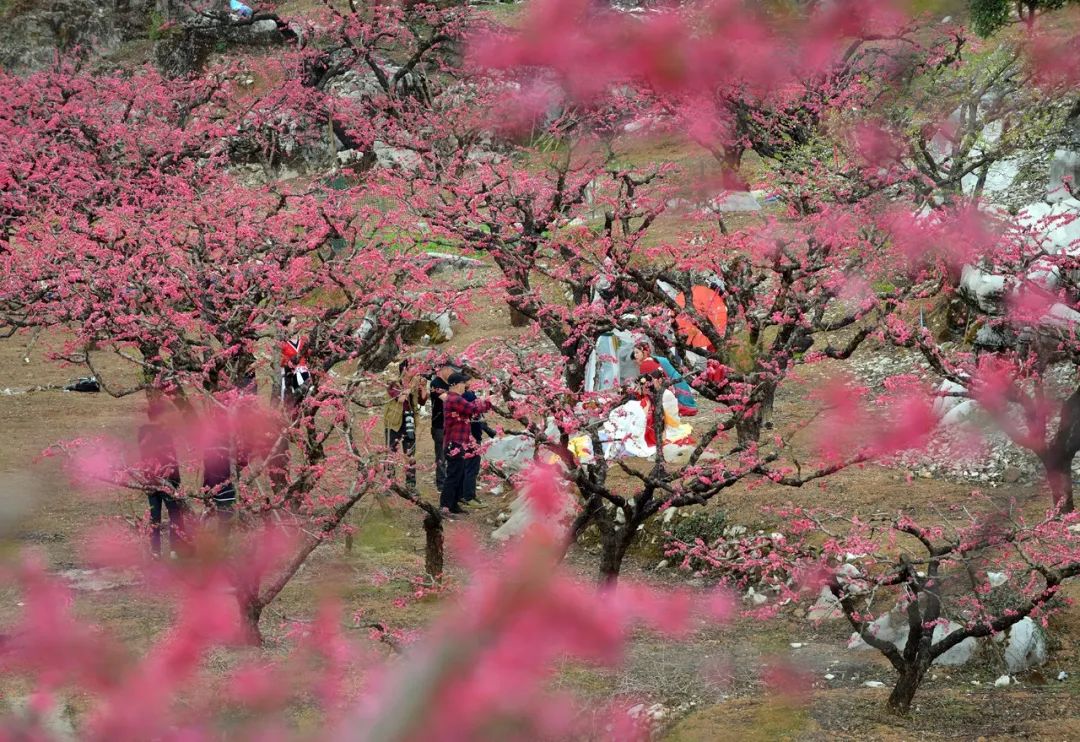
[{"x": 84, "y": 384}]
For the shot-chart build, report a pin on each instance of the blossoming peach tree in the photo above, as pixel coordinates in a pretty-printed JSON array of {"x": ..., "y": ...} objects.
[{"x": 911, "y": 590}]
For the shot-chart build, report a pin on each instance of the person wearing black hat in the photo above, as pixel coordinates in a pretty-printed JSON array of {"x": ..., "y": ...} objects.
[
  {"x": 458, "y": 442},
  {"x": 438, "y": 389}
]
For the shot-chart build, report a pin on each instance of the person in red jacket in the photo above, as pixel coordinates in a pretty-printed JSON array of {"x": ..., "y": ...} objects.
[
  {"x": 295, "y": 376},
  {"x": 458, "y": 443}
]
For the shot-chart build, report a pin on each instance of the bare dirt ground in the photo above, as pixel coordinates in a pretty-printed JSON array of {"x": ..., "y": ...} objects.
[{"x": 710, "y": 685}]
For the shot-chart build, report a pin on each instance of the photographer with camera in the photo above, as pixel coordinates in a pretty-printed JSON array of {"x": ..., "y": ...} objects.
[
  {"x": 407, "y": 396},
  {"x": 439, "y": 387}
]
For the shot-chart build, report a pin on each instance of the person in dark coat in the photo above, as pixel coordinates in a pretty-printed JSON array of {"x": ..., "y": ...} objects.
[
  {"x": 162, "y": 481},
  {"x": 218, "y": 479},
  {"x": 439, "y": 388}
]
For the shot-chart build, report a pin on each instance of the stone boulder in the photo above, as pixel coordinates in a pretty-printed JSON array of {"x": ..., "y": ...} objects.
[
  {"x": 893, "y": 628},
  {"x": 1065, "y": 164},
  {"x": 32, "y": 33},
  {"x": 1026, "y": 646},
  {"x": 433, "y": 329}
]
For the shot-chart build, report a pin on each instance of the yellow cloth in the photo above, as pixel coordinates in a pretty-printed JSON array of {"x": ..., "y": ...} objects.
[{"x": 581, "y": 447}]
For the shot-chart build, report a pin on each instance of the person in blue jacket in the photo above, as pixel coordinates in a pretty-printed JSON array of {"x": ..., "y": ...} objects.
[
  {"x": 682, "y": 390},
  {"x": 239, "y": 10}
]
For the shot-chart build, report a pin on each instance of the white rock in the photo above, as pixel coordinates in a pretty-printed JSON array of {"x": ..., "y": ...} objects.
[
  {"x": 96, "y": 580},
  {"x": 454, "y": 261},
  {"x": 1002, "y": 681},
  {"x": 391, "y": 157},
  {"x": 874, "y": 684},
  {"x": 996, "y": 579},
  {"x": 960, "y": 654},
  {"x": 646, "y": 122},
  {"x": 1062, "y": 675},
  {"x": 797, "y": 645},
  {"x": 959, "y": 413},
  {"x": 946, "y": 399},
  {"x": 735, "y": 201},
  {"x": 985, "y": 288},
  {"x": 1066, "y": 163},
  {"x": 848, "y": 571},
  {"x": 829, "y": 676},
  {"x": 264, "y": 27},
  {"x": 1054, "y": 224},
  {"x": 1026, "y": 647},
  {"x": 826, "y": 607},
  {"x": 989, "y": 337},
  {"x": 1061, "y": 314},
  {"x": 892, "y": 627},
  {"x": 883, "y": 628}
]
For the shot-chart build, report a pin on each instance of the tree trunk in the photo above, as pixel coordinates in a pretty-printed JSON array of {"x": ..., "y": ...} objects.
[
  {"x": 768, "y": 400},
  {"x": 251, "y": 613},
  {"x": 277, "y": 466},
  {"x": 748, "y": 428},
  {"x": 1059, "y": 477},
  {"x": 433, "y": 546},
  {"x": 904, "y": 691},
  {"x": 575, "y": 375},
  {"x": 733, "y": 159},
  {"x": 1058, "y": 457},
  {"x": 614, "y": 542},
  {"x": 517, "y": 319}
]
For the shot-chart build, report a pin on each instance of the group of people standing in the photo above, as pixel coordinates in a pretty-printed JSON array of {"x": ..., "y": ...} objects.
[
  {"x": 457, "y": 429},
  {"x": 160, "y": 468},
  {"x": 160, "y": 475}
]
